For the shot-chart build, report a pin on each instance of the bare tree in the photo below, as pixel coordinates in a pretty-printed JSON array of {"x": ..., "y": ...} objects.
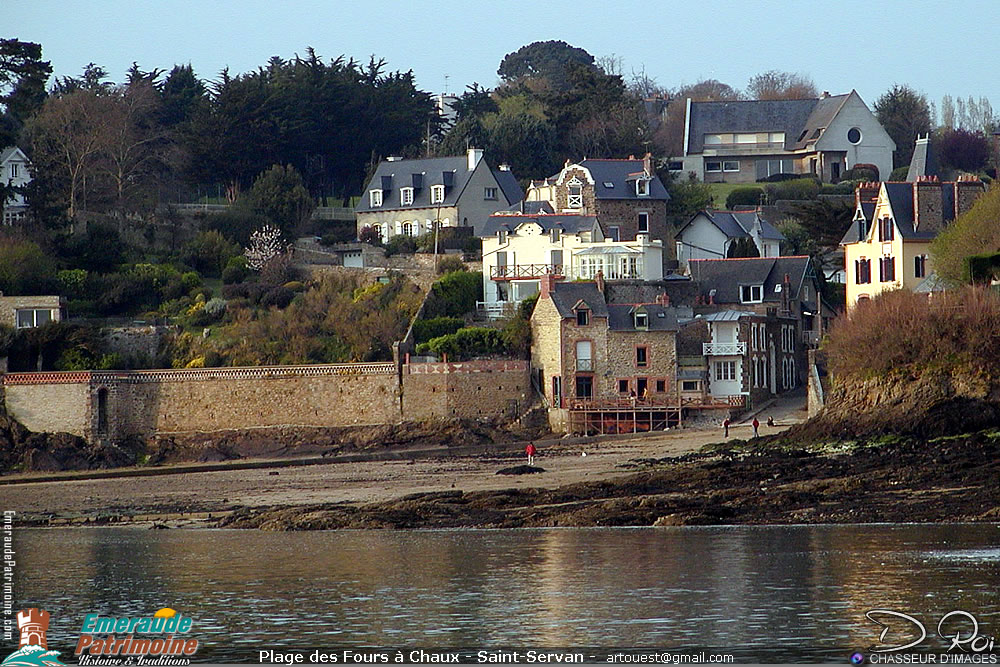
[
  {"x": 777, "y": 85},
  {"x": 132, "y": 137}
]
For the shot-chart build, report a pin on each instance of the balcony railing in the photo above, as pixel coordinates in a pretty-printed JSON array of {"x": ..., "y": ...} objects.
[
  {"x": 584, "y": 364},
  {"x": 729, "y": 349},
  {"x": 525, "y": 271}
]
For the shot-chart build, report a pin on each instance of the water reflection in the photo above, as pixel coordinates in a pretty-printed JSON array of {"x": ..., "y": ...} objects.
[{"x": 714, "y": 587}]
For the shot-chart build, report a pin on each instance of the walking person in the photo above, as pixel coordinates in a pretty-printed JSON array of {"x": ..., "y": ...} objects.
[
  {"x": 756, "y": 426},
  {"x": 770, "y": 421},
  {"x": 531, "y": 451},
  {"x": 725, "y": 425}
]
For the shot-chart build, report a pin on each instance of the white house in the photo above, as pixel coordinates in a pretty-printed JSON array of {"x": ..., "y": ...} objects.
[
  {"x": 709, "y": 234},
  {"x": 15, "y": 170},
  {"x": 519, "y": 249}
]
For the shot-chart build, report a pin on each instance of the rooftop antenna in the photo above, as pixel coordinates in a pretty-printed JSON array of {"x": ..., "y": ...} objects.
[{"x": 445, "y": 84}]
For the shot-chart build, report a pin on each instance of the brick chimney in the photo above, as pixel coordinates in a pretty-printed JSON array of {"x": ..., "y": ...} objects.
[
  {"x": 928, "y": 204},
  {"x": 599, "y": 279},
  {"x": 786, "y": 294},
  {"x": 546, "y": 286},
  {"x": 866, "y": 193},
  {"x": 647, "y": 163},
  {"x": 967, "y": 190}
]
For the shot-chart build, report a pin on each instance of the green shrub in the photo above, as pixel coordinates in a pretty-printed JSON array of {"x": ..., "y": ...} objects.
[
  {"x": 744, "y": 196},
  {"x": 455, "y": 294},
  {"x": 191, "y": 280},
  {"x": 424, "y": 330},
  {"x": 72, "y": 283},
  {"x": 236, "y": 270},
  {"x": 215, "y": 308},
  {"x": 209, "y": 252},
  {"x": 468, "y": 343},
  {"x": 400, "y": 244},
  {"x": 236, "y": 224},
  {"x": 797, "y": 190},
  {"x": 449, "y": 264},
  {"x": 899, "y": 173},
  {"x": 861, "y": 173},
  {"x": 25, "y": 268}
]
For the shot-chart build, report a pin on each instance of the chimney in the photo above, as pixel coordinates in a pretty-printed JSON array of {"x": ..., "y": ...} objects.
[
  {"x": 647, "y": 163},
  {"x": 866, "y": 193},
  {"x": 474, "y": 156},
  {"x": 826, "y": 94},
  {"x": 505, "y": 167},
  {"x": 547, "y": 286},
  {"x": 393, "y": 158},
  {"x": 928, "y": 204},
  {"x": 599, "y": 279},
  {"x": 663, "y": 299},
  {"x": 967, "y": 190}
]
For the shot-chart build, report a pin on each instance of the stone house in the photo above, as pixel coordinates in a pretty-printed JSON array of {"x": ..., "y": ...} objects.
[
  {"x": 15, "y": 171},
  {"x": 750, "y": 140},
  {"x": 408, "y": 196},
  {"x": 602, "y": 366},
  {"x": 887, "y": 245},
  {"x": 709, "y": 235},
  {"x": 26, "y": 312},
  {"x": 626, "y": 196},
  {"x": 519, "y": 249}
]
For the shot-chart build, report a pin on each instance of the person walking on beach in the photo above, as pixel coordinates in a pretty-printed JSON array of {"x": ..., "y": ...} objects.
[
  {"x": 756, "y": 426},
  {"x": 770, "y": 421},
  {"x": 725, "y": 425},
  {"x": 530, "y": 451}
]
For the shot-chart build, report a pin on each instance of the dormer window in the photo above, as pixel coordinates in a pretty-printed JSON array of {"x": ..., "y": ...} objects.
[
  {"x": 751, "y": 293},
  {"x": 641, "y": 319},
  {"x": 437, "y": 194},
  {"x": 405, "y": 196},
  {"x": 555, "y": 234},
  {"x": 502, "y": 236},
  {"x": 642, "y": 187},
  {"x": 375, "y": 198},
  {"x": 582, "y": 317},
  {"x": 575, "y": 199}
]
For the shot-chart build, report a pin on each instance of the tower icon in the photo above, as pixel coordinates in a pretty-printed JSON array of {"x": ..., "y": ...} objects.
[{"x": 33, "y": 623}]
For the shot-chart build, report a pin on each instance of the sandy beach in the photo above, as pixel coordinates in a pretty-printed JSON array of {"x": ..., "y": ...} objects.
[{"x": 192, "y": 499}]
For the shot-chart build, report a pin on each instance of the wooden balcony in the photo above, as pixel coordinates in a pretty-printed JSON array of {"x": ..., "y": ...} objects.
[
  {"x": 525, "y": 271},
  {"x": 723, "y": 349}
]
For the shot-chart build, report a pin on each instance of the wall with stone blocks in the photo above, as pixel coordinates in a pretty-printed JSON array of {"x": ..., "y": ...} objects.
[{"x": 114, "y": 405}]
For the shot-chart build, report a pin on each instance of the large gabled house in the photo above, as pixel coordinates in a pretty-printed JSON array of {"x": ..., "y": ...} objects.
[
  {"x": 15, "y": 172},
  {"x": 750, "y": 140},
  {"x": 520, "y": 249},
  {"x": 626, "y": 196},
  {"x": 408, "y": 196},
  {"x": 710, "y": 234},
  {"x": 887, "y": 245}
]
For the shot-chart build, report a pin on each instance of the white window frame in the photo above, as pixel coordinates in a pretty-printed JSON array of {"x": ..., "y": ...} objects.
[
  {"x": 375, "y": 198},
  {"x": 644, "y": 323},
  {"x": 755, "y": 291},
  {"x": 437, "y": 194},
  {"x": 641, "y": 187},
  {"x": 13, "y": 169},
  {"x": 709, "y": 170},
  {"x": 725, "y": 371},
  {"x": 490, "y": 194},
  {"x": 727, "y": 163},
  {"x": 406, "y": 196},
  {"x": 34, "y": 317},
  {"x": 501, "y": 236},
  {"x": 574, "y": 201}
]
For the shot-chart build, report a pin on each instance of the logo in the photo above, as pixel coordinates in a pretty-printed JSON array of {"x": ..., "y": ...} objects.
[
  {"x": 160, "y": 639},
  {"x": 33, "y": 649}
]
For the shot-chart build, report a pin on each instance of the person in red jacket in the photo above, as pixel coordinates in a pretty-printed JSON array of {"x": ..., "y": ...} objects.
[
  {"x": 530, "y": 451},
  {"x": 756, "y": 425}
]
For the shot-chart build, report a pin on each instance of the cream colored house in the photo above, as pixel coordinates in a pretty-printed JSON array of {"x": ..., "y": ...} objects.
[
  {"x": 888, "y": 244},
  {"x": 520, "y": 249}
]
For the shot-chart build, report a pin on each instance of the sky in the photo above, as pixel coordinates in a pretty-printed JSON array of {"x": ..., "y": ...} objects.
[{"x": 938, "y": 48}]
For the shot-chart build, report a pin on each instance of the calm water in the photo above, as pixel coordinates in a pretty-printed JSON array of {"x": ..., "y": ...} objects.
[{"x": 759, "y": 589}]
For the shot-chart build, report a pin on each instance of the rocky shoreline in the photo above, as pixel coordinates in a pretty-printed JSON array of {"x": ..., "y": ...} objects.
[{"x": 891, "y": 479}]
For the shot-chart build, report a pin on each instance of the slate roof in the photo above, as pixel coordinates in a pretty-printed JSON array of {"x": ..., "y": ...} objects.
[
  {"x": 924, "y": 161},
  {"x": 822, "y": 114},
  {"x": 617, "y": 173},
  {"x": 421, "y": 175},
  {"x": 570, "y": 224},
  {"x": 726, "y": 275},
  {"x": 737, "y": 224},
  {"x": 901, "y": 200},
  {"x": 566, "y": 295},
  {"x": 531, "y": 207},
  {"x": 788, "y": 116},
  {"x": 661, "y": 318}
]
